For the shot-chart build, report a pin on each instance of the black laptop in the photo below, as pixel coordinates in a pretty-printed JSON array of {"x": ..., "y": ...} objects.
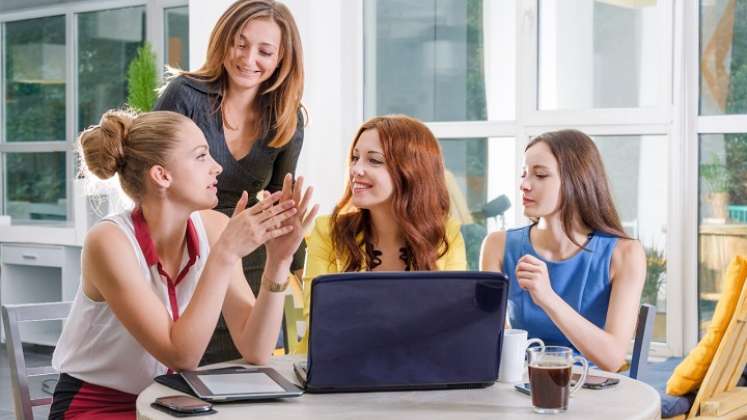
[{"x": 404, "y": 330}]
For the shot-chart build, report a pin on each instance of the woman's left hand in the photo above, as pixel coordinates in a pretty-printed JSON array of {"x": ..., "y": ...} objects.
[
  {"x": 283, "y": 247},
  {"x": 532, "y": 276}
]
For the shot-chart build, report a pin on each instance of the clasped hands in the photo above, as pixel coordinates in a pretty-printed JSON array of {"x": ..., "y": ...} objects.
[{"x": 277, "y": 221}]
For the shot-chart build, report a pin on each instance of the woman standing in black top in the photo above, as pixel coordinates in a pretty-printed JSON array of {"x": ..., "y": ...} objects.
[{"x": 246, "y": 98}]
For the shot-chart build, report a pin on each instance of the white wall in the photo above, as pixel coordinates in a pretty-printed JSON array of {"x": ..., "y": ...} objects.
[
  {"x": 331, "y": 93},
  {"x": 202, "y": 16}
]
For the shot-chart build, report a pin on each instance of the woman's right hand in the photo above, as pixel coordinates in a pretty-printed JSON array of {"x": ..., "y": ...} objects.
[{"x": 250, "y": 228}]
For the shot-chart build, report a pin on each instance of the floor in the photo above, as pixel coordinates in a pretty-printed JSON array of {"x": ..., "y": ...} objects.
[
  {"x": 657, "y": 374},
  {"x": 35, "y": 356}
]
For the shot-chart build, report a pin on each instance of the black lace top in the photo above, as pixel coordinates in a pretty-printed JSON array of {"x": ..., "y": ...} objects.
[{"x": 374, "y": 256}]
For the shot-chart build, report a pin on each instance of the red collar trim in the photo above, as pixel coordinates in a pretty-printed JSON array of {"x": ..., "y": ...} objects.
[{"x": 142, "y": 234}]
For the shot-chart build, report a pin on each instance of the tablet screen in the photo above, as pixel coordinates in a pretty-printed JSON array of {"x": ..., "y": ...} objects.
[{"x": 240, "y": 383}]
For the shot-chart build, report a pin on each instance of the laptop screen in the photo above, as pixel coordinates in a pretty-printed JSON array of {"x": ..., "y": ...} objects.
[{"x": 400, "y": 330}]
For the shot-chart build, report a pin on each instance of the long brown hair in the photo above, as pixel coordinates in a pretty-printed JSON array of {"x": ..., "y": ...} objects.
[
  {"x": 584, "y": 190},
  {"x": 420, "y": 201},
  {"x": 280, "y": 95}
]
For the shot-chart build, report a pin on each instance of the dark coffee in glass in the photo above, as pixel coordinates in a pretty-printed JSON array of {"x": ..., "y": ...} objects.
[
  {"x": 550, "y": 377},
  {"x": 550, "y": 385}
]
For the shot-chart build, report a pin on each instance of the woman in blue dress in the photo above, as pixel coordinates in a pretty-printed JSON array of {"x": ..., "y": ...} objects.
[{"x": 576, "y": 277}]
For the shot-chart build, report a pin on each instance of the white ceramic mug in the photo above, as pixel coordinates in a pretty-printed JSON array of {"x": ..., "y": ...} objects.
[{"x": 513, "y": 354}]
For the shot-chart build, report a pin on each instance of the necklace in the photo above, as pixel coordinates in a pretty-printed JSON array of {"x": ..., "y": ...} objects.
[{"x": 374, "y": 255}]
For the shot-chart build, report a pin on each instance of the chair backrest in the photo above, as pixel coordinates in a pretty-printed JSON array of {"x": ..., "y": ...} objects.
[
  {"x": 718, "y": 393},
  {"x": 292, "y": 314},
  {"x": 642, "y": 343},
  {"x": 13, "y": 315},
  {"x": 473, "y": 234}
]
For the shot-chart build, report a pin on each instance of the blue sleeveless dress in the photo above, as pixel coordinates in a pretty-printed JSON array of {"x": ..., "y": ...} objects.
[{"x": 582, "y": 281}]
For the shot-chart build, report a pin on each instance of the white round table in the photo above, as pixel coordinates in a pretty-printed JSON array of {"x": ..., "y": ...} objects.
[{"x": 629, "y": 400}]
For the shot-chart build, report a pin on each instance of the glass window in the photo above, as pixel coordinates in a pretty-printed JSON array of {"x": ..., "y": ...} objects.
[
  {"x": 176, "y": 30},
  {"x": 598, "y": 54},
  {"x": 481, "y": 178},
  {"x": 723, "y": 214},
  {"x": 34, "y": 99},
  {"x": 458, "y": 56},
  {"x": 639, "y": 187},
  {"x": 35, "y": 186},
  {"x": 107, "y": 41},
  {"x": 723, "y": 57}
]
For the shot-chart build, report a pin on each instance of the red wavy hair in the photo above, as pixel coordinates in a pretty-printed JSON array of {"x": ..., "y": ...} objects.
[{"x": 420, "y": 201}]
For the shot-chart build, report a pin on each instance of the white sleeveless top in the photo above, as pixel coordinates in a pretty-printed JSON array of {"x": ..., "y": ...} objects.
[{"x": 95, "y": 347}]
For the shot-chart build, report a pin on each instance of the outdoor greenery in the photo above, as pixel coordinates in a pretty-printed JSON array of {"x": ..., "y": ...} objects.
[
  {"x": 477, "y": 150},
  {"x": 35, "y": 97},
  {"x": 476, "y": 106},
  {"x": 35, "y": 111},
  {"x": 142, "y": 80},
  {"x": 34, "y": 101},
  {"x": 103, "y": 56},
  {"x": 716, "y": 175},
  {"x": 36, "y": 177},
  {"x": 736, "y": 103}
]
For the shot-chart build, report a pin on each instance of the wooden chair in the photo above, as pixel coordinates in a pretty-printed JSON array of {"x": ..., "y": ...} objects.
[
  {"x": 19, "y": 373},
  {"x": 292, "y": 314},
  {"x": 719, "y": 397}
]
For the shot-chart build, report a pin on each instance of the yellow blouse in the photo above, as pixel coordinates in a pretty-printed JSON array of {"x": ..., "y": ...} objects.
[{"x": 321, "y": 258}]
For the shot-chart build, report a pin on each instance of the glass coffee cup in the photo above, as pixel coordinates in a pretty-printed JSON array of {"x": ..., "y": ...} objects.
[{"x": 550, "y": 377}]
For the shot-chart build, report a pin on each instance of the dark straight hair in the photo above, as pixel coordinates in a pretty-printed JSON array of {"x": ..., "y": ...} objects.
[{"x": 584, "y": 189}]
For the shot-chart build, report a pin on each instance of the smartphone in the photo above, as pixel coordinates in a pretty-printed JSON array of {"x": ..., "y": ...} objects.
[
  {"x": 595, "y": 381},
  {"x": 183, "y": 404},
  {"x": 592, "y": 382},
  {"x": 523, "y": 388}
]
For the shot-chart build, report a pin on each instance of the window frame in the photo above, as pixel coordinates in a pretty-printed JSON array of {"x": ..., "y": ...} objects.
[
  {"x": 62, "y": 145},
  {"x": 528, "y": 37},
  {"x": 695, "y": 125},
  {"x": 154, "y": 34},
  {"x": 661, "y": 120}
]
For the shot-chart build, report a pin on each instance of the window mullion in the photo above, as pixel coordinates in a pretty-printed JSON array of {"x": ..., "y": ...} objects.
[
  {"x": 2, "y": 117},
  {"x": 34, "y": 147},
  {"x": 154, "y": 31},
  {"x": 689, "y": 183},
  {"x": 2, "y": 87}
]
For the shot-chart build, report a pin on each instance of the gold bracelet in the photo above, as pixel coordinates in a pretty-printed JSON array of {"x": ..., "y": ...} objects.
[{"x": 274, "y": 287}]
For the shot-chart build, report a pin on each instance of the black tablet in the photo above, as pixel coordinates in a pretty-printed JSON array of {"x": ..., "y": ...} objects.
[{"x": 240, "y": 383}]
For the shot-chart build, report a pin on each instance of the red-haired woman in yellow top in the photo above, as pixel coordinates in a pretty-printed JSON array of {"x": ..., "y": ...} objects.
[{"x": 394, "y": 214}]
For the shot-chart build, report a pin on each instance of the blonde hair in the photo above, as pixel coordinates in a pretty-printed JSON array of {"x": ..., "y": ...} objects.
[
  {"x": 129, "y": 144},
  {"x": 280, "y": 95}
]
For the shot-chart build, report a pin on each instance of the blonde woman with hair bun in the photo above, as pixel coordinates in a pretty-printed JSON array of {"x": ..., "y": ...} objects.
[
  {"x": 246, "y": 98},
  {"x": 155, "y": 279}
]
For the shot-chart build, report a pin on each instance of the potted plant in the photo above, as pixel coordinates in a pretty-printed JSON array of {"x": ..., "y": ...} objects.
[
  {"x": 718, "y": 181},
  {"x": 656, "y": 267},
  {"x": 142, "y": 80}
]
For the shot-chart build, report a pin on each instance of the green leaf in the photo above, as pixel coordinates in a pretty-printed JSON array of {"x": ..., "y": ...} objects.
[{"x": 142, "y": 80}]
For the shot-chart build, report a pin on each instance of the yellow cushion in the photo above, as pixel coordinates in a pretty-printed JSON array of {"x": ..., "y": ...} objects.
[{"x": 688, "y": 375}]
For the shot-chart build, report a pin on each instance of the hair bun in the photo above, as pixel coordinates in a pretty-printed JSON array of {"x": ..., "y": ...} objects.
[{"x": 103, "y": 144}]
